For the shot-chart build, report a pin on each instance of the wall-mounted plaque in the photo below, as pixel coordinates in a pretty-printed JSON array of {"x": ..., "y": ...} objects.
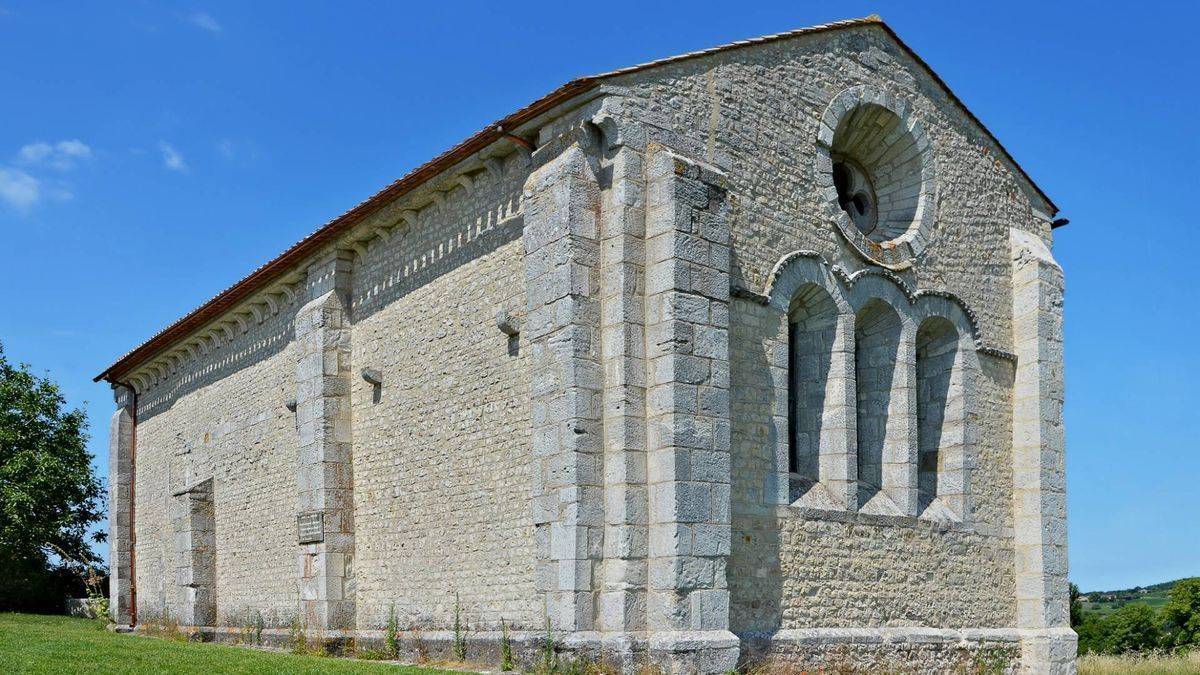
[{"x": 310, "y": 527}]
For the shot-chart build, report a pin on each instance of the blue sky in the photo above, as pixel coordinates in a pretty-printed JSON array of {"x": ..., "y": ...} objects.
[{"x": 152, "y": 153}]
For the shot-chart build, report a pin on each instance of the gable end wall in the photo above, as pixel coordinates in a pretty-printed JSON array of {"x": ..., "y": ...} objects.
[{"x": 754, "y": 112}]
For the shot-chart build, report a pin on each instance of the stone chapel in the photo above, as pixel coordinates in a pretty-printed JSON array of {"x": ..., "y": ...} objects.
[{"x": 747, "y": 355}]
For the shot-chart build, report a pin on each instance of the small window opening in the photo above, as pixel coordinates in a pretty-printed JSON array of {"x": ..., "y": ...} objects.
[{"x": 856, "y": 195}]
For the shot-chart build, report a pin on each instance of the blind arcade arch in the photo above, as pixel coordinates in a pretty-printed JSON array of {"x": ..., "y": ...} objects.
[{"x": 880, "y": 384}]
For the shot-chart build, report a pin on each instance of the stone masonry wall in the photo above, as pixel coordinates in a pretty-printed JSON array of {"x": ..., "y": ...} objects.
[
  {"x": 441, "y": 490},
  {"x": 224, "y": 417},
  {"x": 442, "y": 493},
  {"x": 754, "y": 113}
]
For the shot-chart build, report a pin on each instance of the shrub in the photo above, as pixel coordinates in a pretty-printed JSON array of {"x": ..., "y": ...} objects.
[
  {"x": 506, "y": 655},
  {"x": 96, "y": 596},
  {"x": 252, "y": 627},
  {"x": 1182, "y": 613},
  {"x": 297, "y": 637},
  {"x": 1132, "y": 628},
  {"x": 460, "y": 632},
  {"x": 161, "y": 625},
  {"x": 549, "y": 660},
  {"x": 419, "y": 645},
  {"x": 390, "y": 641}
]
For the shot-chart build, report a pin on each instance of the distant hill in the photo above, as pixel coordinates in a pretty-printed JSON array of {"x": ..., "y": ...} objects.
[{"x": 1105, "y": 602}]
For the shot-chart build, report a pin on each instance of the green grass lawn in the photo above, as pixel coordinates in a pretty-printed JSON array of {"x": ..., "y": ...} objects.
[{"x": 32, "y": 643}]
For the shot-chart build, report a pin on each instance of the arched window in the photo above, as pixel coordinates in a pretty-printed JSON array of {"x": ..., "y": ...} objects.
[
  {"x": 882, "y": 408},
  {"x": 879, "y": 384},
  {"x": 941, "y": 423},
  {"x": 812, "y": 336}
]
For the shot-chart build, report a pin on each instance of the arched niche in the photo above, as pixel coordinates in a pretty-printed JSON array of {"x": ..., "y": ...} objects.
[
  {"x": 881, "y": 404},
  {"x": 812, "y": 339},
  {"x": 947, "y": 368},
  {"x": 939, "y": 405},
  {"x": 870, "y": 428}
]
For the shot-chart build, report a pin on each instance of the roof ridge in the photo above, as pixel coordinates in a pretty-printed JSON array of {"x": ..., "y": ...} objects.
[{"x": 748, "y": 42}]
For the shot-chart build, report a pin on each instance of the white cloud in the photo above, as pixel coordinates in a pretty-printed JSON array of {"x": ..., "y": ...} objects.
[
  {"x": 18, "y": 189},
  {"x": 62, "y": 155},
  {"x": 171, "y": 157},
  {"x": 205, "y": 21},
  {"x": 74, "y": 148},
  {"x": 225, "y": 147},
  {"x": 35, "y": 152}
]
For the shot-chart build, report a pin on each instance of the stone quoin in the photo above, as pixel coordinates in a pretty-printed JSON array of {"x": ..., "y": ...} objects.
[{"x": 749, "y": 355}]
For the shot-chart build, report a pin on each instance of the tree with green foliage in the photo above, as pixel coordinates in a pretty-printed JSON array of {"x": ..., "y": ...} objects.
[
  {"x": 1132, "y": 628},
  {"x": 49, "y": 495},
  {"x": 1076, "y": 606},
  {"x": 1182, "y": 613},
  {"x": 1091, "y": 635}
]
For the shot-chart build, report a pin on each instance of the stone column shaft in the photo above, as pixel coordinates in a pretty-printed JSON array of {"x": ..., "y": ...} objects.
[
  {"x": 622, "y": 267},
  {"x": 839, "y": 426},
  {"x": 900, "y": 451}
]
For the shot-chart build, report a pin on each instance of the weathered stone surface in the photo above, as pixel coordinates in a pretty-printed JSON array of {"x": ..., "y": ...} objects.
[
  {"x": 641, "y": 382},
  {"x": 120, "y": 503},
  {"x": 324, "y": 478},
  {"x": 1039, "y": 462}
]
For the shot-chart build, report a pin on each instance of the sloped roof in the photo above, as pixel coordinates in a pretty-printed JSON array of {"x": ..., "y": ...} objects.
[{"x": 330, "y": 231}]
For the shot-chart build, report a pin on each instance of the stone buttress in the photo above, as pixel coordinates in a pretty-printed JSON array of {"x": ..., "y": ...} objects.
[
  {"x": 120, "y": 508},
  {"x": 1039, "y": 459},
  {"x": 324, "y": 498},
  {"x": 627, "y": 320}
]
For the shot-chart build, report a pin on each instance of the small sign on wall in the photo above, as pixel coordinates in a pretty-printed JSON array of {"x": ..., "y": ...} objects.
[{"x": 310, "y": 527}]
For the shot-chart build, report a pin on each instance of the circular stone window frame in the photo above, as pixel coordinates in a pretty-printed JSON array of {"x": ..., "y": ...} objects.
[{"x": 898, "y": 253}]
